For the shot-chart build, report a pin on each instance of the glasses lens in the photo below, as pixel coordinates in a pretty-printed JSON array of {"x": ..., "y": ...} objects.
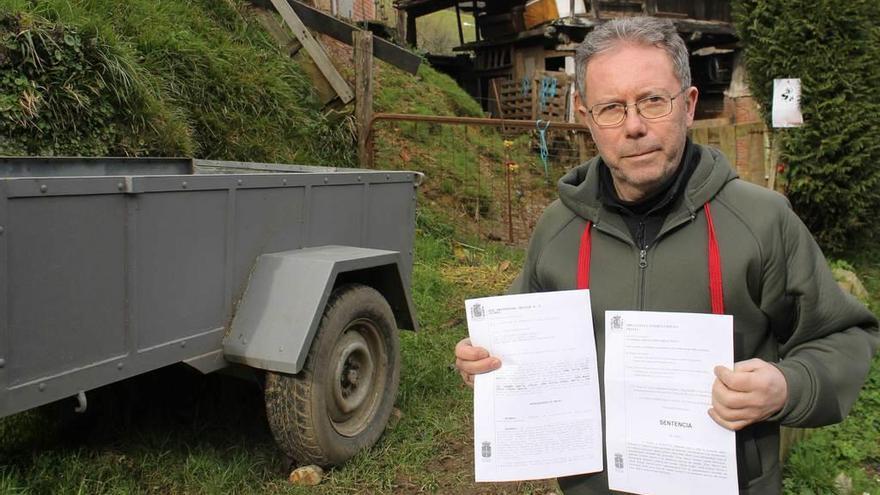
[
  {"x": 654, "y": 107},
  {"x": 609, "y": 114}
]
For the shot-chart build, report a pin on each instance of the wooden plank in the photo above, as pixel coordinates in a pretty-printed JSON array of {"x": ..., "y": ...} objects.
[
  {"x": 315, "y": 49},
  {"x": 756, "y": 154},
  {"x": 727, "y": 143},
  {"x": 342, "y": 31},
  {"x": 401, "y": 25},
  {"x": 750, "y": 157},
  {"x": 287, "y": 42},
  {"x": 363, "y": 103}
]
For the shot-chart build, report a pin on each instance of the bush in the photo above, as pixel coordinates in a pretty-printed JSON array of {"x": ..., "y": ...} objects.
[{"x": 833, "y": 161}]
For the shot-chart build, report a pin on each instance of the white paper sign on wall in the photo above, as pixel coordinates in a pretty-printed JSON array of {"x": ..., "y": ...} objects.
[{"x": 787, "y": 103}]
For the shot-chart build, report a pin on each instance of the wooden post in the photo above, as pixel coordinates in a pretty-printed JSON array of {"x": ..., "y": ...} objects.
[
  {"x": 497, "y": 102},
  {"x": 476, "y": 21},
  {"x": 412, "y": 36},
  {"x": 315, "y": 49},
  {"x": 774, "y": 152},
  {"x": 363, "y": 103},
  {"x": 401, "y": 25},
  {"x": 536, "y": 85},
  {"x": 460, "y": 29}
]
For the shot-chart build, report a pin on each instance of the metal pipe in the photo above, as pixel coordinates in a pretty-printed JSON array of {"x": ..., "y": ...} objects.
[{"x": 445, "y": 119}]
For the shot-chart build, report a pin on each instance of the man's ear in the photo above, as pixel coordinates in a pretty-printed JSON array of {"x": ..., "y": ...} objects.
[
  {"x": 690, "y": 97},
  {"x": 581, "y": 110}
]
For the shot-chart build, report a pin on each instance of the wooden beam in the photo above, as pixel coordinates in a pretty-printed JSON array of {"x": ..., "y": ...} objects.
[
  {"x": 476, "y": 22},
  {"x": 460, "y": 30},
  {"x": 363, "y": 103},
  {"x": 339, "y": 30},
  {"x": 412, "y": 38},
  {"x": 315, "y": 50},
  {"x": 288, "y": 42}
]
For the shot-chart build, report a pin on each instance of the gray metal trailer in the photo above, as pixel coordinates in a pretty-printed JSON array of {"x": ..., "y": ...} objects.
[{"x": 114, "y": 267}]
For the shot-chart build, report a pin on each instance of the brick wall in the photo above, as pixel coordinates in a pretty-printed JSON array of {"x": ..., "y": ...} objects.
[{"x": 364, "y": 10}]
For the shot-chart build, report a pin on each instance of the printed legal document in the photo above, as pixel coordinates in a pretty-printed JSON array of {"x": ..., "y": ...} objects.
[
  {"x": 539, "y": 415},
  {"x": 658, "y": 389}
]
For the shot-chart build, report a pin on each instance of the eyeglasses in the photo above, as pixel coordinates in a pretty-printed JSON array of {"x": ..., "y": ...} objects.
[{"x": 650, "y": 107}]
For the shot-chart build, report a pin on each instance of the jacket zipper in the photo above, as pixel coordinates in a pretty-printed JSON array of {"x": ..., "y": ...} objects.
[
  {"x": 643, "y": 254},
  {"x": 643, "y": 262},
  {"x": 643, "y": 249}
]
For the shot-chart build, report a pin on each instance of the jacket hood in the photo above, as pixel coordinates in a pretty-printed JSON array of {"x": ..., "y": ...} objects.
[{"x": 579, "y": 188}]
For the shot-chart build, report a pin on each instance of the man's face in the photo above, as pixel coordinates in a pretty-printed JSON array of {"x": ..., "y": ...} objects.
[{"x": 639, "y": 152}]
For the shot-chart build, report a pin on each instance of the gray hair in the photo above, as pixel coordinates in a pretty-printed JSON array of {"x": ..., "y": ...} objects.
[{"x": 639, "y": 29}]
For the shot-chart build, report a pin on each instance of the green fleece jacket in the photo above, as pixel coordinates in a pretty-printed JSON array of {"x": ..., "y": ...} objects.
[{"x": 786, "y": 307}]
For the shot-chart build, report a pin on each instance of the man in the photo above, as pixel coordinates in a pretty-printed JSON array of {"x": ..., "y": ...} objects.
[{"x": 657, "y": 223}]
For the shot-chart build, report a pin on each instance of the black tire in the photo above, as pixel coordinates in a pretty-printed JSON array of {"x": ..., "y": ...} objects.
[{"x": 340, "y": 402}]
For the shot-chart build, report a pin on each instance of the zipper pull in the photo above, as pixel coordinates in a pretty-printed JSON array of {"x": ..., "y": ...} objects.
[{"x": 643, "y": 258}]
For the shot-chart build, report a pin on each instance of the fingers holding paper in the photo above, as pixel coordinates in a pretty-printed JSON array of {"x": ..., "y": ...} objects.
[
  {"x": 753, "y": 391},
  {"x": 471, "y": 360}
]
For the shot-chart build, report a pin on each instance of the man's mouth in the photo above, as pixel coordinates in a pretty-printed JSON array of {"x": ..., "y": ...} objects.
[{"x": 640, "y": 153}]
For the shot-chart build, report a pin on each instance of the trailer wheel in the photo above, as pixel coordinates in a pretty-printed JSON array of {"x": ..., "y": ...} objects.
[{"x": 340, "y": 402}]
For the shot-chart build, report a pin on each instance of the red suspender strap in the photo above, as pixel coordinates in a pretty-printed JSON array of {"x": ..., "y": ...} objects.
[
  {"x": 716, "y": 293},
  {"x": 583, "y": 274}
]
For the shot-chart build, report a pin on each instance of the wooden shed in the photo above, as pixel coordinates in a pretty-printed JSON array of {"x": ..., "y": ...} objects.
[{"x": 521, "y": 64}]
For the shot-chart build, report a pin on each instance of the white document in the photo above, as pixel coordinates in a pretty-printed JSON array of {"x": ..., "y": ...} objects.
[
  {"x": 539, "y": 415},
  {"x": 658, "y": 389},
  {"x": 786, "y": 110}
]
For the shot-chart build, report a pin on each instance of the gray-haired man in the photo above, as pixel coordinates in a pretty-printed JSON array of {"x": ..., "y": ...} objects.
[{"x": 667, "y": 226}]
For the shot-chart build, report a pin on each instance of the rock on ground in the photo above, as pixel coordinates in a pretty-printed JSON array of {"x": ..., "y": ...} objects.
[{"x": 307, "y": 475}]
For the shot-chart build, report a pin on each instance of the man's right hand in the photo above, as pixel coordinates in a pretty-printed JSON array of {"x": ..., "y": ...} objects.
[{"x": 471, "y": 360}]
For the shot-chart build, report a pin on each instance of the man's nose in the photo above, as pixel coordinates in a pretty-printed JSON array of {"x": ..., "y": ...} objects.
[{"x": 633, "y": 123}]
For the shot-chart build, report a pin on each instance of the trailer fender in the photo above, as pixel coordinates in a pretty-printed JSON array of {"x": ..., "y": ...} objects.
[{"x": 279, "y": 313}]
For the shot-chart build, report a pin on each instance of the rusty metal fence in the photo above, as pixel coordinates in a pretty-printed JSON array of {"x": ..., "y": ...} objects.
[{"x": 495, "y": 175}]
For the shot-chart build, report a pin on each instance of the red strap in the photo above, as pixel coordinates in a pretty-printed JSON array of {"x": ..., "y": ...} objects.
[
  {"x": 716, "y": 293},
  {"x": 583, "y": 274}
]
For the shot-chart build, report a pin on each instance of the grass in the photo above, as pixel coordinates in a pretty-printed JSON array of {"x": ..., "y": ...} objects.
[
  {"x": 851, "y": 448},
  {"x": 145, "y": 77}
]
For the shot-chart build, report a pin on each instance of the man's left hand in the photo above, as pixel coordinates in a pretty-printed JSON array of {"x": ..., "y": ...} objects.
[{"x": 752, "y": 392}]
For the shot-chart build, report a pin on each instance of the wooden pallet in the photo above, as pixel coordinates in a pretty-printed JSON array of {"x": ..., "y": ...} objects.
[{"x": 521, "y": 103}]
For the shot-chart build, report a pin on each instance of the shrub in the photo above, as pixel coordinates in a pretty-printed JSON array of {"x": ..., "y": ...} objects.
[{"x": 833, "y": 161}]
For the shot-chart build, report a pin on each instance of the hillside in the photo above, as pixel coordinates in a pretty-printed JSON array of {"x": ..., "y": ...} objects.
[{"x": 156, "y": 78}]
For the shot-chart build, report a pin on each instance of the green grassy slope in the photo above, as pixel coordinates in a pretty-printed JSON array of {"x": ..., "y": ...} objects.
[{"x": 163, "y": 77}]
